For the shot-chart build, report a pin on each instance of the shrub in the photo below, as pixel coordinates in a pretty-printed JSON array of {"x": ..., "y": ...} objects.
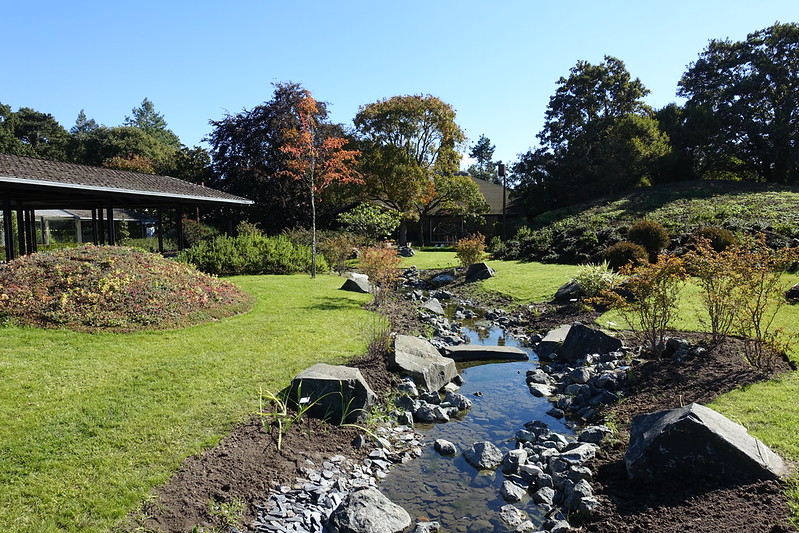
[
  {"x": 114, "y": 288},
  {"x": 195, "y": 232},
  {"x": 380, "y": 264},
  {"x": 471, "y": 249},
  {"x": 625, "y": 252},
  {"x": 251, "y": 254},
  {"x": 247, "y": 228},
  {"x": 653, "y": 289},
  {"x": 719, "y": 238},
  {"x": 593, "y": 279},
  {"x": 649, "y": 234},
  {"x": 337, "y": 249},
  {"x": 371, "y": 222}
]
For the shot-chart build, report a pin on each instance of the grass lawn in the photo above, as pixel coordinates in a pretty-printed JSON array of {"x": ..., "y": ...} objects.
[
  {"x": 90, "y": 423},
  {"x": 528, "y": 282},
  {"x": 431, "y": 258}
]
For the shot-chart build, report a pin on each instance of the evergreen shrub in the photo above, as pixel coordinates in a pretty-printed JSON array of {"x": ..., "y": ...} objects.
[{"x": 624, "y": 252}]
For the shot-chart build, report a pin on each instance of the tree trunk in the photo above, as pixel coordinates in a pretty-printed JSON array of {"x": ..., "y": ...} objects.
[
  {"x": 403, "y": 232},
  {"x": 313, "y": 233}
]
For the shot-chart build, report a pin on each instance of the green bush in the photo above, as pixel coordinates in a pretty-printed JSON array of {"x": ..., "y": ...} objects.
[
  {"x": 622, "y": 253},
  {"x": 593, "y": 279},
  {"x": 251, "y": 254},
  {"x": 471, "y": 249},
  {"x": 649, "y": 234},
  {"x": 371, "y": 222},
  {"x": 719, "y": 238},
  {"x": 195, "y": 232}
]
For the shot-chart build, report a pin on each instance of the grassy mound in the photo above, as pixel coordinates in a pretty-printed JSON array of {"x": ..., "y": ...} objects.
[
  {"x": 112, "y": 288},
  {"x": 581, "y": 233}
]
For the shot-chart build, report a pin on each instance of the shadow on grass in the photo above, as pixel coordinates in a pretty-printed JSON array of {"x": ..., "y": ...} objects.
[{"x": 329, "y": 303}]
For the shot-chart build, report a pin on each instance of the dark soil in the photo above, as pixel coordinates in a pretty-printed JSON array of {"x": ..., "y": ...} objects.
[
  {"x": 705, "y": 505},
  {"x": 246, "y": 465}
]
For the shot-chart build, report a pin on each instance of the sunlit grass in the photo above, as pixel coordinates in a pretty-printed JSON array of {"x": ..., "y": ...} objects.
[
  {"x": 528, "y": 282},
  {"x": 90, "y": 423},
  {"x": 427, "y": 259}
]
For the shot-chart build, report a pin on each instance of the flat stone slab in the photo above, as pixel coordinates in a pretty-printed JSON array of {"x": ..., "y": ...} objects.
[
  {"x": 420, "y": 360},
  {"x": 552, "y": 341},
  {"x": 696, "y": 441},
  {"x": 478, "y": 352}
]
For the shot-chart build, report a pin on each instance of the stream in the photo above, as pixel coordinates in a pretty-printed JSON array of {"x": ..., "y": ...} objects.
[{"x": 449, "y": 490}]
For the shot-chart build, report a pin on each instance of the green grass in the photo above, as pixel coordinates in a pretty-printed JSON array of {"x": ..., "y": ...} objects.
[
  {"x": 90, "y": 423},
  {"x": 528, "y": 282},
  {"x": 431, "y": 259}
]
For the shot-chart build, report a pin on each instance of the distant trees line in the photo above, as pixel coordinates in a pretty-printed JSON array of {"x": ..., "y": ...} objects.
[{"x": 740, "y": 121}]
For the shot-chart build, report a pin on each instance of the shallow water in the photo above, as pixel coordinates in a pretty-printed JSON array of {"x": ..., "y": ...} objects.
[{"x": 448, "y": 489}]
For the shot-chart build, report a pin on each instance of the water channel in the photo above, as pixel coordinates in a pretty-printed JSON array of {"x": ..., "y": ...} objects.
[{"x": 449, "y": 490}]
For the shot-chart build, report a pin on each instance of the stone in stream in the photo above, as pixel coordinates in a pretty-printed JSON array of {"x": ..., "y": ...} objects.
[
  {"x": 483, "y": 456},
  {"x": 552, "y": 341},
  {"x": 368, "y": 511},
  {"x": 420, "y": 360},
  {"x": 427, "y": 527},
  {"x": 338, "y": 393},
  {"x": 696, "y": 441},
  {"x": 445, "y": 447},
  {"x": 581, "y": 341},
  {"x": 479, "y": 352},
  {"x": 512, "y": 516},
  {"x": 512, "y": 492},
  {"x": 434, "y": 305}
]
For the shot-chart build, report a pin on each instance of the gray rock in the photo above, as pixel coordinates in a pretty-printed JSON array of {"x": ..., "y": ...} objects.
[
  {"x": 568, "y": 292},
  {"x": 792, "y": 294},
  {"x": 512, "y": 492},
  {"x": 442, "y": 279},
  {"x": 457, "y": 400},
  {"x": 582, "y": 340},
  {"x": 434, "y": 305},
  {"x": 579, "y": 454},
  {"x": 541, "y": 391},
  {"x": 368, "y": 511},
  {"x": 418, "y": 359},
  {"x": 574, "y": 494},
  {"x": 479, "y": 271},
  {"x": 513, "y": 460},
  {"x": 479, "y": 352},
  {"x": 512, "y": 516},
  {"x": 580, "y": 375},
  {"x": 407, "y": 386},
  {"x": 405, "y": 418},
  {"x": 427, "y": 527},
  {"x": 696, "y": 441},
  {"x": 337, "y": 393},
  {"x": 483, "y": 456},
  {"x": 544, "y": 495},
  {"x": 356, "y": 285},
  {"x": 530, "y": 473},
  {"x": 445, "y": 447},
  {"x": 405, "y": 251},
  {"x": 526, "y": 527},
  {"x": 552, "y": 341},
  {"x": 594, "y": 434}
]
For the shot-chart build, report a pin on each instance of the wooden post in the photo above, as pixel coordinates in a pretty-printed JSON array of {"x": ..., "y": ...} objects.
[
  {"x": 181, "y": 242},
  {"x": 160, "y": 231},
  {"x": 21, "y": 230},
  {"x": 95, "y": 232},
  {"x": 8, "y": 228},
  {"x": 112, "y": 238}
]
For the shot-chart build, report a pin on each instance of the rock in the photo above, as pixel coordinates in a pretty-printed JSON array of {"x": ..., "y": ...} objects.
[
  {"x": 457, "y": 400},
  {"x": 579, "y": 454},
  {"x": 512, "y": 492},
  {"x": 552, "y": 341},
  {"x": 544, "y": 495},
  {"x": 582, "y": 340},
  {"x": 445, "y": 447},
  {"x": 541, "y": 391},
  {"x": 427, "y": 527},
  {"x": 569, "y": 291},
  {"x": 574, "y": 495},
  {"x": 483, "y": 456},
  {"x": 594, "y": 434},
  {"x": 407, "y": 386},
  {"x": 479, "y": 271},
  {"x": 526, "y": 527},
  {"x": 479, "y": 352},
  {"x": 792, "y": 294},
  {"x": 442, "y": 279},
  {"x": 337, "y": 393},
  {"x": 405, "y": 418},
  {"x": 580, "y": 375},
  {"x": 513, "y": 460},
  {"x": 368, "y": 511},
  {"x": 405, "y": 251},
  {"x": 356, "y": 285},
  {"x": 512, "y": 516},
  {"x": 696, "y": 441},
  {"x": 434, "y": 305},
  {"x": 556, "y": 413},
  {"x": 538, "y": 376},
  {"x": 418, "y": 359}
]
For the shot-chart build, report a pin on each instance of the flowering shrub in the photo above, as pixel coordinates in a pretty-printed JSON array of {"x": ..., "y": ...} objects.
[
  {"x": 116, "y": 288},
  {"x": 381, "y": 265},
  {"x": 471, "y": 249}
]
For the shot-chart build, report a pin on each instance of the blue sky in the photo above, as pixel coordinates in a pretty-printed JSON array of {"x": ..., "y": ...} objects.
[{"x": 496, "y": 63}]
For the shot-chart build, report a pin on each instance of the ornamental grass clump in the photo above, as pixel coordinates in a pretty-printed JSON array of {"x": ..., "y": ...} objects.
[{"x": 92, "y": 288}]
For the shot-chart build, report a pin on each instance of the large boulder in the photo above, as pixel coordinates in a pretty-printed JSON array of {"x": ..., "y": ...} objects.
[
  {"x": 570, "y": 291},
  {"x": 337, "y": 393},
  {"x": 552, "y": 341},
  {"x": 368, "y": 511},
  {"x": 483, "y": 456},
  {"x": 582, "y": 340},
  {"x": 479, "y": 352},
  {"x": 357, "y": 283},
  {"x": 696, "y": 441},
  {"x": 479, "y": 271},
  {"x": 418, "y": 359}
]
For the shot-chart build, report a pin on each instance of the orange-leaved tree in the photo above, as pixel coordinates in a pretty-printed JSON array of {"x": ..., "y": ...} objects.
[{"x": 316, "y": 159}]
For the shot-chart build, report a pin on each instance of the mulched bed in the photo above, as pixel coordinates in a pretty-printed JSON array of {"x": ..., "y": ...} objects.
[
  {"x": 707, "y": 505},
  {"x": 246, "y": 464}
]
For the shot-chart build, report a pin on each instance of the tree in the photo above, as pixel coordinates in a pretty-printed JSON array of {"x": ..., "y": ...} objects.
[
  {"x": 31, "y": 133},
  {"x": 485, "y": 168},
  {"x": 147, "y": 119},
  {"x": 9, "y": 143},
  {"x": 453, "y": 195},
  {"x": 751, "y": 88},
  {"x": 124, "y": 147},
  {"x": 408, "y": 144},
  {"x": 315, "y": 160},
  {"x": 598, "y": 138}
]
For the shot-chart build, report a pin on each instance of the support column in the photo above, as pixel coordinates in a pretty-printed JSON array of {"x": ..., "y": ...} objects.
[
  {"x": 30, "y": 230},
  {"x": 112, "y": 238},
  {"x": 8, "y": 228},
  {"x": 181, "y": 242},
  {"x": 159, "y": 229},
  {"x": 21, "y": 230},
  {"x": 78, "y": 231},
  {"x": 95, "y": 230},
  {"x": 100, "y": 226}
]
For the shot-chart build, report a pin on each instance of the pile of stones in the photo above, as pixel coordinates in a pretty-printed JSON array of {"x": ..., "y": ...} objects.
[{"x": 428, "y": 407}]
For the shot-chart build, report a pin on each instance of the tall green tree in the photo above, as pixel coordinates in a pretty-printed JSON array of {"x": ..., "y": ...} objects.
[
  {"x": 32, "y": 133},
  {"x": 484, "y": 168},
  {"x": 409, "y": 144},
  {"x": 153, "y": 123},
  {"x": 751, "y": 88}
]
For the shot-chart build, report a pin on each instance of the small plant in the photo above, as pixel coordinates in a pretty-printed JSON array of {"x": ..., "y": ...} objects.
[
  {"x": 625, "y": 252},
  {"x": 276, "y": 409},
  {"x": 652, "y": 305},
  {"x": 247, "y": 228},
  {"x": 228, "y": 513},
  {"x": 471, "y": 249},
  {"x": 649, "y": 234},
  {"x": 381, "y": 265},
  {"x": 593, "y": 279}
]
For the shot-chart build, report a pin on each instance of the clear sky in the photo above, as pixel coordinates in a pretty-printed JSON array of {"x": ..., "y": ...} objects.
[{"x": 496, "y": 63}]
